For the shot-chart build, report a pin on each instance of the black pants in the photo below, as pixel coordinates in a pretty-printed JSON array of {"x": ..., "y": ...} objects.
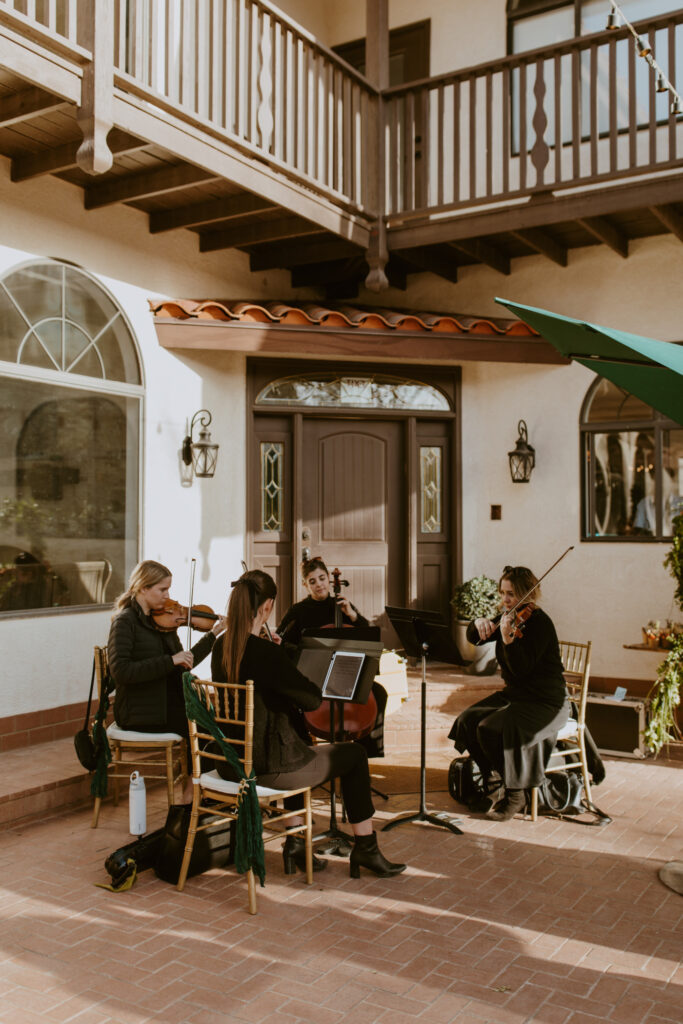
[{"x": 347, "y": 762}]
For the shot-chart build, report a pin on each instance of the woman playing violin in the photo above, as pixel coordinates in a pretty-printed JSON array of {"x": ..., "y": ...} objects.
[
  {"x": 317, "y": 610},
  {"x": 513, "y": 731},
  {"x": 283, "y": 758},
  {"x": 147, "y": 664}
]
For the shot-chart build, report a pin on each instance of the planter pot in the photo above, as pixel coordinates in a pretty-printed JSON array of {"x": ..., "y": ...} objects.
[{"x": 482, "y": 657}]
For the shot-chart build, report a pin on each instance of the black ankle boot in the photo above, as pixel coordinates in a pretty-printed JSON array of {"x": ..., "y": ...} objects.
[
  {"x": 294, "y": 856},
  {"x": 367, "y": 854},
  {"x": 513, "y": 802}
]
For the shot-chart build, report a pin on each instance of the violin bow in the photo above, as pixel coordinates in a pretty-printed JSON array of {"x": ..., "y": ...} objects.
[
  {"x": 530, "y": 592},
  {"x": 189, "y": 607}
]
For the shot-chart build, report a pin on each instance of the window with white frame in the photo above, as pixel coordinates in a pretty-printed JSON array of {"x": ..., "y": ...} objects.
[
  {"x": 70, "y": 408},
  {"x": 632, "y": 465}
]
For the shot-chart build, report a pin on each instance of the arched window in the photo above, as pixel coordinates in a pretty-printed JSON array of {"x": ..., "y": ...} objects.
[
  {"x": 633, "y": 467},
  {"x": 70, "y": 401},
  {"x": 355, "y": 391}
]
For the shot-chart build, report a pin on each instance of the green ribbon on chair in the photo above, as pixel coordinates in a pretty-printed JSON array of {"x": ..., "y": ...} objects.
[{"x": 249, "y": 851}]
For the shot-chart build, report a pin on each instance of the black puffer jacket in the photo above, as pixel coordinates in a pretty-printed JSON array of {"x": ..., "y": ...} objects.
[{"x": 141, "y": 665}]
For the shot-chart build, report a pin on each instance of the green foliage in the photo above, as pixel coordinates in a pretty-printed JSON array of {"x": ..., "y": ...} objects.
[
  {"x": 665, "y": 698},
  {"x": 477, "y": 598},
  {"x": 674, "y": 560}
]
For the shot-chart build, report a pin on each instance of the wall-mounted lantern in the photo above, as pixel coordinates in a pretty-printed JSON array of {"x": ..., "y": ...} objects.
[
  {"x": 523, "y": 458},
  {"x": 200, "y": 454}
]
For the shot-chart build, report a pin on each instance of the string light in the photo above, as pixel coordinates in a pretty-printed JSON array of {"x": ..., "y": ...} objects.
[{"x": 614, "y": 21}]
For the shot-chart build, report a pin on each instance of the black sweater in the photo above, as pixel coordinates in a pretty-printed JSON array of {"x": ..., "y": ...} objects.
[
  {"x": 141, "y": 665},
  {"x": 531, "y": 666},
  {"x": 310, "y": 614},
  {"x": 281, "y": 692}
]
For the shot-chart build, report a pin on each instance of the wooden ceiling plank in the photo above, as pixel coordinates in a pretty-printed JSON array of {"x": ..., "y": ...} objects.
[
  {"x": 63, "y": 158},
  {"x": 149, "y": 183},
  {"x": 207, "y": 212},
  {"x": 672, "y": 220},
  {"x": 433, "y": 260},
  {"x": 284, "y": 257},
  {"x": 21, "y": 106},
  {"x": 484, "y": 252},
  {"x": 544, "y": 244},
  {"x": 605, "y": 231},
  {"x": 256, "y": 231}
]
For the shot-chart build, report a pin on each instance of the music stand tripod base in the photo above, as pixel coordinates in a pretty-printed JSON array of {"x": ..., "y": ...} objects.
[{"x": 440, "y": 818}]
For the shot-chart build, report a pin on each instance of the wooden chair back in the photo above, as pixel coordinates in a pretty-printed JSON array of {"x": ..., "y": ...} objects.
[
  {"x": 233, "y": 706},
  {"x": 576, "y": 659}
]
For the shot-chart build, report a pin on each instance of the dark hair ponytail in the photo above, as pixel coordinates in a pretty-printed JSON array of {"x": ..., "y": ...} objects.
[{"x": 248, "y": 594}]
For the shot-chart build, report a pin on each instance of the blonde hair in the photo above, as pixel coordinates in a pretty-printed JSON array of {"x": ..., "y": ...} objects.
[
  {"x": 523, "y": 580},
  {"x": 145, "y": 574},
  {"x": 248, "y": 594}
]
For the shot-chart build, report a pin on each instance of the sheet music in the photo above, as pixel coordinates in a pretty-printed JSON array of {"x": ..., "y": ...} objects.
[{"x": 343, "y": 674}]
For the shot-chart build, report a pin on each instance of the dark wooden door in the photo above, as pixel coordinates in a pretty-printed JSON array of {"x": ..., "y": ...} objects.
[{"x": 353, "y": 507}]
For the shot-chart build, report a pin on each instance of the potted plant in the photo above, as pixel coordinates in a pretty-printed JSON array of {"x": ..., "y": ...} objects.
[
  {"x": 665, "y": 696},
  {"x": 476, "y": 598}
]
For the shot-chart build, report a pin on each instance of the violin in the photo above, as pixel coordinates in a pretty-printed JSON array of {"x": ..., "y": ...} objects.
[
  {"x": 522, "y": 616},
  {"x": 174, "y": 614}
]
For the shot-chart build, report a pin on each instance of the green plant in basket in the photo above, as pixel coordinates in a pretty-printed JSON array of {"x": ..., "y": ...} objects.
[{"x": 477, "y": 598}]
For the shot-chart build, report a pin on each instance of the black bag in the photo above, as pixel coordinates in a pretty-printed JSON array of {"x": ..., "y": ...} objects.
[
  {"x": 213, "y": 847},
  {"x": 144, "y": 851},
  {"x": 561, "y": 793},
  {"x": 86, "y": 751},
  {"x": 465, "y": 781}
]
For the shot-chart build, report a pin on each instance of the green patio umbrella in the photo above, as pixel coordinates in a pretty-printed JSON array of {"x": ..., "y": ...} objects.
[{"x": 651, "y": 370}]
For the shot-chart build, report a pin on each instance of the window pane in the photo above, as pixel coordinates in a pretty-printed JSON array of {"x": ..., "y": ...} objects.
[
  {"x": 68, "y": 495},
  {"x": 672, "y": 478},
  {"x": 371, "y": 391},
  {"x": 13, "y": 327},
  {"x": 610, "y": 403},
  {"x": 624, "y": 484},
  {"x": 271, "y": 486},
  {"x": 431, "y": 494}
]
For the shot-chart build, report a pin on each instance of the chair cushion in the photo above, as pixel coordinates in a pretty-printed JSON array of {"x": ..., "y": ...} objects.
[
  {"x": 115, "y": 732},
  {"x": 212, "y": 780},
  {"x": 569, "y": 731}
]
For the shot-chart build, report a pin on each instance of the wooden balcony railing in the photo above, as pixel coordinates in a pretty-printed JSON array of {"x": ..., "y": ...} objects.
[{"x": 576, "y": 114}]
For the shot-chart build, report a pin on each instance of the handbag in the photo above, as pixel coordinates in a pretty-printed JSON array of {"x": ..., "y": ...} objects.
[
  {"x": 214, "y": 847},
  {"x": 86, "y": 751},
  {"x": 560, "y": 793}
]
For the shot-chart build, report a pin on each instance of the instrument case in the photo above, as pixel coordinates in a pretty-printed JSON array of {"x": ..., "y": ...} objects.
[{"x": 617, "y": 726}]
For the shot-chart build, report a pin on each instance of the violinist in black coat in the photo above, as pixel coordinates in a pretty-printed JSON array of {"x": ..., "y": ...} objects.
[{"x": 514, "y": 731}]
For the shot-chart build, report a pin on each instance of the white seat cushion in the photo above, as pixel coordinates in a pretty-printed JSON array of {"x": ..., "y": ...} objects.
[
  {"x": 569, "y": 731},
  {"x": 115, "y": 732},
  {"x": 212, "y": 780}
]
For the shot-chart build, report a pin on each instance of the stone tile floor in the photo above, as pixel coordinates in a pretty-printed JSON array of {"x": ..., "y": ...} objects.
[{"x": 509, "y": 923}]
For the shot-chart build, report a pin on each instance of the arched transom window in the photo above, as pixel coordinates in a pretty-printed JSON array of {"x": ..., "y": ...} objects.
[
  {"x": 357, "y": 391},
  {"x": 70, "y": 398}
]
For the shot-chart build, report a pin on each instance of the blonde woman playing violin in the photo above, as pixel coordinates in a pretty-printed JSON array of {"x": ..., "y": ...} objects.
[{"x": 513, "y": 731}]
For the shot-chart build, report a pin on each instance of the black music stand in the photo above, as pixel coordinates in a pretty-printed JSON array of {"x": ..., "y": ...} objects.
[{"x": 425, "y": 634}]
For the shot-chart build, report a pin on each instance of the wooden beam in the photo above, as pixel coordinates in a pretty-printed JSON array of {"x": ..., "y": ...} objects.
[
  {"x": 209, "y": 212},
  {"x": 329, "y": 272},
  {"x": 96, "y": 109},
  {"x": 435, "y": 259},
  {"x": 542, "y": 242},
  {"x": 296, "y": 254},
  {"x": 484, "y": 252},
  {"x": 149, "y": 183},
  {"x": 605, "y": 231},
  {"x": 671, "y": 219},
  {"x": 63, "y": 158},
  {"x": 22, "y": 106},
  {"x": 256, "y": 231}
]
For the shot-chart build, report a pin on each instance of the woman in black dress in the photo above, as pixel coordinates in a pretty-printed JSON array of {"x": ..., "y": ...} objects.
[
  {"x": 146, "y": 664},
  {"x": 283, "y": 757},
  {"x": 317, "y": 610},
  {"x": 514, "y": 731}
]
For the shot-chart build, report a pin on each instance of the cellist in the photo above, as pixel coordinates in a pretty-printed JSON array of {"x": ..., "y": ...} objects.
[{"x": 318, "y": 609}]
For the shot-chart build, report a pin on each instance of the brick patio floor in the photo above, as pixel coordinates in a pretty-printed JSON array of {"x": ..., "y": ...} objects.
[{"x": 511, "y": 922}]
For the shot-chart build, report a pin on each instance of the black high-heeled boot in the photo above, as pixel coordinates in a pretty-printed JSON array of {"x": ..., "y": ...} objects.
[
  {"x": 367, "y": 854},
  {"x": 513, "y": 802},
  {"x": 294, "y": 856}
]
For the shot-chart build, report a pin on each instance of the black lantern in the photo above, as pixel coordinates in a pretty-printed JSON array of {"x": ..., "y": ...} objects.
[
  {"x": 523, "y": 458},
  {"x": 200, "y": 454}
]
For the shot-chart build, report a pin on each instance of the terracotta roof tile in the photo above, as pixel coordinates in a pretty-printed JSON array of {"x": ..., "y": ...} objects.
[{"x": 310, "y": 314}]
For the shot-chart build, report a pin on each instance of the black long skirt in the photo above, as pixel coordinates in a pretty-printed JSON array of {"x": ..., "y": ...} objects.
[{"x": 514, "y": 737}]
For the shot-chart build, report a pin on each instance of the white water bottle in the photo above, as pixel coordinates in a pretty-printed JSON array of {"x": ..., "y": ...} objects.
[{"x": 137, "y": 805}]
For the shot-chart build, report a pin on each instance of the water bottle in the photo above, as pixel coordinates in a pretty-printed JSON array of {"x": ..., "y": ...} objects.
[{"x": 137, "y": 805}]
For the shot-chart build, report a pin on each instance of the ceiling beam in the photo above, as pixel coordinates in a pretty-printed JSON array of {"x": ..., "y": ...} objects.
[
  {"x": 484, "y": 252},
  {"x": 605, "y": 231},
  {"x": 542, "y": 242},
  {"x": 21, "y": 106},
  {"x": 295, "y": 254},
  {"x": 209, "y": 212},
  {"x": 671, "y": 219},
  {"x": 63, "y": 158},
  {"x": 435, "y": 259},
  {"x": 330, "y": 272},
  {"x": 256, "y": 231},
  {"x": 149, "y": 183}
]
